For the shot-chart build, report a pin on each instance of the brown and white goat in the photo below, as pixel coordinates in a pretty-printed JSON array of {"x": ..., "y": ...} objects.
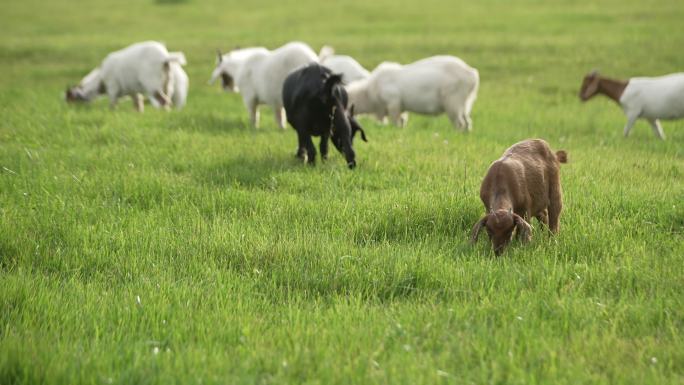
[
  {"x": 641, "y": 98},
  {"x": 523, "y": 183}
]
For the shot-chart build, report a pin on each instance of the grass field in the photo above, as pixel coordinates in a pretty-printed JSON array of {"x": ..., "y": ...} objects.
[{"x": 190, "y": 248}]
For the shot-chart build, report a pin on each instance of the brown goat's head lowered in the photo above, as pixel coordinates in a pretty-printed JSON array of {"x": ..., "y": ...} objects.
[
  {"x": 524, "y": 183},
  {"x": 500, "y": 225}
]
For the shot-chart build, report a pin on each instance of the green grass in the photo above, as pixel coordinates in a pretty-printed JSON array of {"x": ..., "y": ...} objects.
[{"x": 252, "y": 268}]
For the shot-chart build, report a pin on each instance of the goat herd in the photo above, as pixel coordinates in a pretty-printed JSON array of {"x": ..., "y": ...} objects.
[{"x": 319, "y": 94}]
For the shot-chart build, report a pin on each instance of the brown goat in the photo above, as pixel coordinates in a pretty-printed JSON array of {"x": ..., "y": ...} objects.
[{"x": 523, "y": 183}]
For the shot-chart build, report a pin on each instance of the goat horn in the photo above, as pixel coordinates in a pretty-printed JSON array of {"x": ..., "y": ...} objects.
[{"x": 220, "y": 56}]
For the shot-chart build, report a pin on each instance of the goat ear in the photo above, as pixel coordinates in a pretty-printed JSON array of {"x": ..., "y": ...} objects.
[
  {"x": 363, "y": 134},
  {"x": 331, "y": 81},
  {"x": 523, "y": 228},
  {"x": 476, "y": 229},
  {"x": 328, "y": 86},
  {"x": 562, "y": 156}
]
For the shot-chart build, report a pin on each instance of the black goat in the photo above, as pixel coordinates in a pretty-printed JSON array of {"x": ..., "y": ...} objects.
[{"x": 316, "y": 105}]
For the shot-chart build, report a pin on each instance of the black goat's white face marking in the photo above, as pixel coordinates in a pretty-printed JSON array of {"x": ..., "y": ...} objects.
[{"x": 332, "y": 120}]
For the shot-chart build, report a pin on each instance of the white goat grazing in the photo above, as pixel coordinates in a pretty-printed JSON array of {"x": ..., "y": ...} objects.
[
  {"x": 258, "y": 75},
  {"x": 435, "y": 85},
  {"x": 350, "y": 69},
  {"x": 145, "y": 68},
  {"x": 648, "y": 98}
]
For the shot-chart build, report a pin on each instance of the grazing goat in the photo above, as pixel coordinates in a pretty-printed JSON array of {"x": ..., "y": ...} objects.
[
  {"x": 438, "y": 84},
  {"x": 648, "y": 98},
  {"x": 141, "y": 69},
  {"x": 316, "y": 105},
  {"x": 258, "y": 75},
  {"x": 523, "y": 183},
  {"x": 350, "y": 69}
]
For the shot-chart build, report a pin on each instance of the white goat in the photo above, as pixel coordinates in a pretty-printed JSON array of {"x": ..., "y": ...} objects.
[
  {"x": 141, "y": 69},
  {"x": 258, "y": 75},
  {"x": 648, "y": 98},
  {"x": 179, "y": 87},
  {"x": 435, "y": 85},
  {"x": 350, "y": 69}
]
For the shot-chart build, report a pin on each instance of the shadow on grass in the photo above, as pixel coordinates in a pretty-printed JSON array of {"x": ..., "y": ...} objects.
[
  {"x": 248, "y": 171},
  {"x": 282, "y": 274},
  {"x": 417, "y": 223},
  {"x": 208, "y": 123}
]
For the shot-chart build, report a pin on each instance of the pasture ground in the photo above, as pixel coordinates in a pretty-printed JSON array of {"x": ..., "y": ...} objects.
[{"x": 189, "y": 248}]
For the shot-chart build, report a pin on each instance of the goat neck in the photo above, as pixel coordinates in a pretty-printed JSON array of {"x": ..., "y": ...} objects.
[{"x": 612, "y": 88}]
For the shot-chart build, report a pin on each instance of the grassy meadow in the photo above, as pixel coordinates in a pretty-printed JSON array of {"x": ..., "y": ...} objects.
[{"x": 189, "y": 248}]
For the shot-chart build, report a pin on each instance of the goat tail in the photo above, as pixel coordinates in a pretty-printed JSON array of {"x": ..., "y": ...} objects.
[
  {"x": 176, "y": 57},
  {"x": 325, "y": 52},
  {"x": 168, "y": 75},
  {"x": 472, "y": 93},
  {"x": 562, "y": 156}
]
